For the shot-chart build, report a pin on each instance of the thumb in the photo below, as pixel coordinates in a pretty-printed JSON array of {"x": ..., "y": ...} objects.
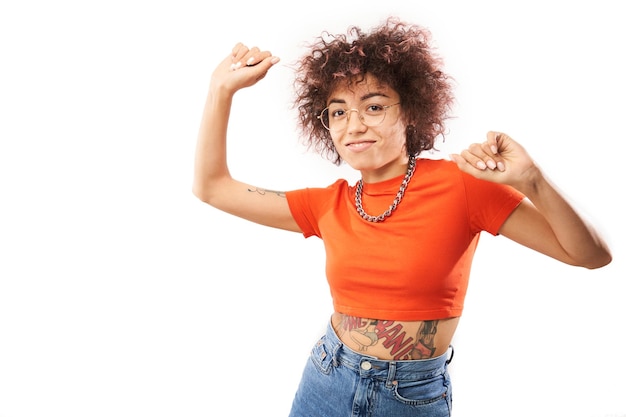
[
  {"x": 465, "y": 166},
  {"x": 459, "y": 160},
  {"x": 259, "y": 70},
  {"x": 266, "y": 64}
]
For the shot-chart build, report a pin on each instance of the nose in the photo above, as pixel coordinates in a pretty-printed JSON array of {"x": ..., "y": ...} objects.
[{"x": 359, "y": 125}]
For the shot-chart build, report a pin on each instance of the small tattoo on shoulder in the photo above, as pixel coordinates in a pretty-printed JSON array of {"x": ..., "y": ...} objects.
[{"x": 264, "y": 191}]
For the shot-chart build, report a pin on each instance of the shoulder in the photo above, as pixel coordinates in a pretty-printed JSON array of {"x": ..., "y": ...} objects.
[
  {"x": 319, "y": 193},
  {"x": 445, "y": 172},
  {"x": 439, "y": 171},
  {"x": 437, "y": 166}
]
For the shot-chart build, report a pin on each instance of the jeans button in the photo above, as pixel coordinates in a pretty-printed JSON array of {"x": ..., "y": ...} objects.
[{"x": 366, "y": 366}]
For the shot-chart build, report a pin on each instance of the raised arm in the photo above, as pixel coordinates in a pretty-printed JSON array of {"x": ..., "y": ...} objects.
[
  {"x": 546, "y": 221},
  {"x": 213, "y": 183}
]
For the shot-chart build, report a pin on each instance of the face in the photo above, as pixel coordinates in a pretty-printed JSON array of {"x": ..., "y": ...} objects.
[{"x": 377, "y": 150}]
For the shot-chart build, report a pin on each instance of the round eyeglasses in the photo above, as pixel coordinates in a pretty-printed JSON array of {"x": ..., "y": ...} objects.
[{"x": 335, "y": 117}]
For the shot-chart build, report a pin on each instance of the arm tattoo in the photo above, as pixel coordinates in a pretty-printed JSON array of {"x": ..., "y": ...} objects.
[{"x": 264, "y": 191}]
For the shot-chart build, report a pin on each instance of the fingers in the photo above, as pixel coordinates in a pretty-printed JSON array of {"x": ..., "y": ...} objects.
[
  {"x": 242, "y": 68},
  {"x": 492, "y": 140},
  {"x": 482, "y": 156},
  {"x": 242, "y": 56}
]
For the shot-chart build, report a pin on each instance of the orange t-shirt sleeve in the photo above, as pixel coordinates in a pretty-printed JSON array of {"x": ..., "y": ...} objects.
[
  {"x": 497, "y": 202},
  {"x": 305, "y": 213}
]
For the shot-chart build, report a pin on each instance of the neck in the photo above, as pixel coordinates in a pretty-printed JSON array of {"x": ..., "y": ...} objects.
[
  {"x": 358, "y": 196},
  {"x": 386, "y": 172}
]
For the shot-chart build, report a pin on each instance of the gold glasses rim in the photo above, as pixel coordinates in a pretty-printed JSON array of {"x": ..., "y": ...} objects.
[{"x": 385, "y": 107}]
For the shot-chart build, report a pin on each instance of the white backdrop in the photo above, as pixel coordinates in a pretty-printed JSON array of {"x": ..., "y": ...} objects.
[{"x": 122, "y": 295}]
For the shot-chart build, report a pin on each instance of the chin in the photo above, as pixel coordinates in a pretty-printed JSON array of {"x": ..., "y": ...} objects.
[{"x": 357, "y": 165}]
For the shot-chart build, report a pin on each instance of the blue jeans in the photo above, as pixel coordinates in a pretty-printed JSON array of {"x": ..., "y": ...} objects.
[{"x": 339, "y": 382}]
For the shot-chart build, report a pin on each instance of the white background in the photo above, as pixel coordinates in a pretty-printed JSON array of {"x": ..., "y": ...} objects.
[{"x": 122, "y": 295}]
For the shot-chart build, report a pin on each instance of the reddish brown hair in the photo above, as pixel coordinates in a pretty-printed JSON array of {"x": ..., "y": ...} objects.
[{"x": 398, "y": 55}]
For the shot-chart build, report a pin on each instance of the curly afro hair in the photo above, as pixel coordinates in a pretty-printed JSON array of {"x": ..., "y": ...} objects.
[{"x": 398, "y": 55}]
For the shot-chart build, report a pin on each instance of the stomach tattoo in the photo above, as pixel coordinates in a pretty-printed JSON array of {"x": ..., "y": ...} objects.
[{"x": 400, "y": 340}]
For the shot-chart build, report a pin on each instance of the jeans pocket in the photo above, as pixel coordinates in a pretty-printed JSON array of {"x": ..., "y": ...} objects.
[
  {"x": 424, "y": 391},
  {"x": 321, "y": 357}
]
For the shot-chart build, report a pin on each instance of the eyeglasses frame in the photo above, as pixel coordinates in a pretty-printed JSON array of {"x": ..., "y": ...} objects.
[{"x": 358, "y": 114}]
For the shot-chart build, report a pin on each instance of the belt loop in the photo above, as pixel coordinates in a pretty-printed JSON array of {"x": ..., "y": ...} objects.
[
  {"x": 334, "y": 353},
  {"x": 391, "y": 375},
  {"x": 451, "y": 348}
]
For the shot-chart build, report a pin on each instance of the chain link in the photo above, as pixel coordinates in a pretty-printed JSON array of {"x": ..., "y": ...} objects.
[{"x": 358, "y": 196}]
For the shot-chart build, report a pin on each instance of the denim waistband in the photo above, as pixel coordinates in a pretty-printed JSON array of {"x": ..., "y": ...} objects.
[{"x": 369, "y": 366}]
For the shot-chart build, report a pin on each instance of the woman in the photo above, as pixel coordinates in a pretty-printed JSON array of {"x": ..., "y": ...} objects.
[{"x": 400, "y": 242}]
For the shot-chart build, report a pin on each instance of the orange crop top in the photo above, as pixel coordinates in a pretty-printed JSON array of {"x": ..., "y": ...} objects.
[{"x": 415, "y": 265}]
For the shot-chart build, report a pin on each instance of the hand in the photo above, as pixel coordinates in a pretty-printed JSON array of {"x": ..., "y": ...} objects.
[
  {"x": 498, "y": 159},
  {"x": 244, "y": 67}
]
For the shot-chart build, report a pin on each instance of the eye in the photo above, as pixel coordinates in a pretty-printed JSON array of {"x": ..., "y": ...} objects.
[
  {"x": 337, "y": 113},
  {"x": 374, "y": 108}
]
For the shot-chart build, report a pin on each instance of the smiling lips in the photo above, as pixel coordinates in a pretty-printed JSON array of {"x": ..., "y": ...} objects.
[{"x": 360, "y": 146}]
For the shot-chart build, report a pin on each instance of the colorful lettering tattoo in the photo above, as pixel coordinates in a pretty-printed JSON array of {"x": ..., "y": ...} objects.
[{"x": 392, "y": 335}]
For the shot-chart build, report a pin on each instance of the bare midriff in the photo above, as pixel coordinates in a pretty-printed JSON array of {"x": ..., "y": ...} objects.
[{"x": 393, "y": 339}]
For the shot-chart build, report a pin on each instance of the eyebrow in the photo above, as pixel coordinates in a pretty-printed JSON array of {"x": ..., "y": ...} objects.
[{"x": 363, "y": 98}]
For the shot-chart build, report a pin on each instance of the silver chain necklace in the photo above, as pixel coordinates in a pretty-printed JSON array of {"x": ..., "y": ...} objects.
[{"x": 358, "y": 196}]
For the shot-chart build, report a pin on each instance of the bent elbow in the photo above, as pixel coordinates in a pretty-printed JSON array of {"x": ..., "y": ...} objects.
[
  {"x": 201, "y": 193},
  {"x": 598, "y": 261},
  {"x": 210, "y": 190}
]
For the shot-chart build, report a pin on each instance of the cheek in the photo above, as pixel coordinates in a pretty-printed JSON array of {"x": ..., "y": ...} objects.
[
  {"x": 398, "y": 135},
  {"x": 336, "y": 140}
]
